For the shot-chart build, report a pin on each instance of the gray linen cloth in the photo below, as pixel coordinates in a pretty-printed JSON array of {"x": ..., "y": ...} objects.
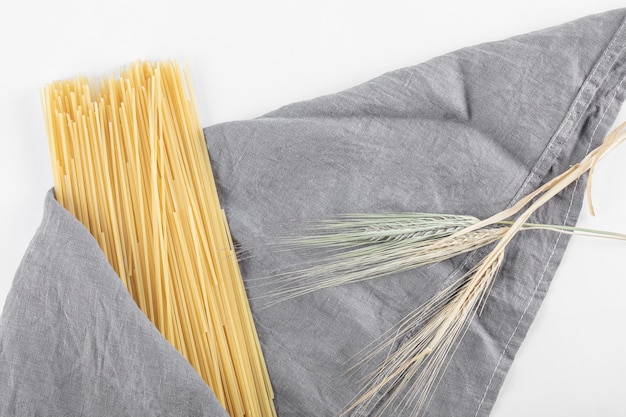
[{"x": 469, "y": 132}]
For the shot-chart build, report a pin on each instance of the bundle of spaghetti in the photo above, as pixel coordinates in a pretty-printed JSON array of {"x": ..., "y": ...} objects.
[{"x": 130, "y": 162}]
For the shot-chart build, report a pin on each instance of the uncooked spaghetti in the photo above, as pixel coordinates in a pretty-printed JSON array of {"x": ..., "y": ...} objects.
[{"x": 130, "y": 162}]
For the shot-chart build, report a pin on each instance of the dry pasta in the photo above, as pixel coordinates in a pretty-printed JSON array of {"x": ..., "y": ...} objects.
[{"x": 130, "y": 162}]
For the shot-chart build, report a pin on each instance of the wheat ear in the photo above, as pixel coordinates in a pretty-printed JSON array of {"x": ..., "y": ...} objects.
[{"x": 408, "y": 377}]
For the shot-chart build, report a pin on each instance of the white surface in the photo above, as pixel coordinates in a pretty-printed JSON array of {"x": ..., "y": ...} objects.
[{"x": 248, "y": 58}]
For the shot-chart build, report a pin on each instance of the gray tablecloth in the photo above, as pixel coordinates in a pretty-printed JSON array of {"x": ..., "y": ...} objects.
[{"x": 468, "y": 132}]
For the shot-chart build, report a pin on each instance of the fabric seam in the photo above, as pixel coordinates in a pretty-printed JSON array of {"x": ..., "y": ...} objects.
[
  {"x": 532, "y": 297},
  {"x": 540, "y": 162}
]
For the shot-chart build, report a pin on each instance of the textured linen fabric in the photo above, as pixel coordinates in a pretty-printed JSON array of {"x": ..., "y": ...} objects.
[
  {"x": 469, "y": 132},
  {"x": 74, "y": 343}
]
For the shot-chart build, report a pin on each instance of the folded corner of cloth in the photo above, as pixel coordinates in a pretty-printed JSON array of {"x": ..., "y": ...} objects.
[
  {"x": 469, "y": 132},
  {"x": 73, "y": 341}
]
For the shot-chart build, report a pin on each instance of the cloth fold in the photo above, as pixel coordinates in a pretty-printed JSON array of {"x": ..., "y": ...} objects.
[
  {"x": 469, "y": 132},
  {"x": 73, "y": 342}
]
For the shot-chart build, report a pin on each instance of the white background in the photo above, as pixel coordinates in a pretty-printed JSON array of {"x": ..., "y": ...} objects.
[{"x": 250, "y": 57}]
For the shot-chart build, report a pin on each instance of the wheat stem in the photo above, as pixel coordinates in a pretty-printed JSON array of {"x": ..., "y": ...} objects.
[{"x": 436, "y": 333}]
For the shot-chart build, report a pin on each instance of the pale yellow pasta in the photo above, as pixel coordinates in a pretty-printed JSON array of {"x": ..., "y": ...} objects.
[{"x": 130, "y": 162}]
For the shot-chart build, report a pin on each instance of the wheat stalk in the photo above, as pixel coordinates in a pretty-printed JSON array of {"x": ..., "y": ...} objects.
[
  {"x": 373, "y": 251},
  {"x": 368, "y": 246},
  {"x": 409, "y": 376}
]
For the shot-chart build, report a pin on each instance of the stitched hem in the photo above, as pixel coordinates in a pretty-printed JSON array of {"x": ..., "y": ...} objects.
[{"x": 608, "y": 75}]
